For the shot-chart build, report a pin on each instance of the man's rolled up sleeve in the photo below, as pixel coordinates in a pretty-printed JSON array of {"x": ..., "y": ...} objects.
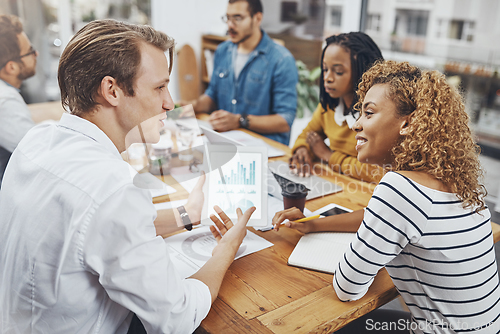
[{"x": 285, "y": 89}]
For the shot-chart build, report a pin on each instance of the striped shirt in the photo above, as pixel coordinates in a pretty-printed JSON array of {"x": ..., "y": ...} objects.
[{"x": 439, "y": 255}]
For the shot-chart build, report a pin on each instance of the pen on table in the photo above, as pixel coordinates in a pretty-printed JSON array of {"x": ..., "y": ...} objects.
[{"x": 301, "y": 220}]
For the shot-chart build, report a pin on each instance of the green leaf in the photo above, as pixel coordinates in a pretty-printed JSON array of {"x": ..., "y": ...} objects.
[
  {"x": 315, "y": 73},
  {"x": 302, "y": 90}
]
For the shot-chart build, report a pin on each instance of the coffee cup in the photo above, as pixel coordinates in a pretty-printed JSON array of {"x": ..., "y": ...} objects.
[{"x": 294, "y": 195}]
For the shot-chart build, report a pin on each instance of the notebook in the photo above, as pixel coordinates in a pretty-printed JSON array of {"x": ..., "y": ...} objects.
[{"x": 321, "y": 251}]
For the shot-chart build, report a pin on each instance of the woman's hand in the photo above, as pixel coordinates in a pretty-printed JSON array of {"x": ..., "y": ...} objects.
[
  {"x": 292, "y": 214},
  {"x": 301, "y": 162},
  {"x": 318, "y": 146}
]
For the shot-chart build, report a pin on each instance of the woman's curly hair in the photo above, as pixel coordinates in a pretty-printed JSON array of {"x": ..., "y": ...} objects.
[{"x": 439, "y": 141}]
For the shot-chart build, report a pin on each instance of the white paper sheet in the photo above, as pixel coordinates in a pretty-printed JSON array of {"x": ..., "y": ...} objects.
[
  {"x": 190, "y": 250},
  {"x": 248, "y": 140}
]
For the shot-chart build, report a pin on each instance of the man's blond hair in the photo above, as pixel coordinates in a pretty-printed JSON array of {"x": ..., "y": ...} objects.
[{"x": 104, "y": 48}]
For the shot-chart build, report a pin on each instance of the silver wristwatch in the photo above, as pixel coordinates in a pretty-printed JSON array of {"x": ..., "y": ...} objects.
[{"x": 185, "y": 218}]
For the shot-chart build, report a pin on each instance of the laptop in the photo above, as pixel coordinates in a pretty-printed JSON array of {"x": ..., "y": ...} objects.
[{"x": 318, "y": 187}]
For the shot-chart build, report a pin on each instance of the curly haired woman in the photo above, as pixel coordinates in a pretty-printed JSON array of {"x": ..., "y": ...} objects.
[
  {"x": 344, "y": 60},
  {"x": 426, "y": 222}
]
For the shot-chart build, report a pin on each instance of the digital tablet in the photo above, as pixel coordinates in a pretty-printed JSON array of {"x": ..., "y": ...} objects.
[
  {"x": 331, "y": 210},
  {"x": 240, "y": 182}
]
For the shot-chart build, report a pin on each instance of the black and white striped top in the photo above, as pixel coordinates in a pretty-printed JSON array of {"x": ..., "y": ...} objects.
[{"x": 440, "y": 257}]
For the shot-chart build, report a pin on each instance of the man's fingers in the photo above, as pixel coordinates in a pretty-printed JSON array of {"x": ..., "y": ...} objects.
[
  {"x": 215, "y": 233},
  {"x": 214, "y": 122},
  {"x": 239, "y": 213},
  {"x": 225, "y": 219},
  {"x": 248, "y": 213},
  {"x": 220, "y": 226},
  {"x": 216, "y": 115}
]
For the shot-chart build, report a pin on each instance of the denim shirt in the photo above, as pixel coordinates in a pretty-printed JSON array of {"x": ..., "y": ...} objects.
[{"x": 265, "y": 86}]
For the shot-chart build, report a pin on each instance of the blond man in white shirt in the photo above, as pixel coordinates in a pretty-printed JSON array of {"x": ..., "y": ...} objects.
[{"x": 79, "y": 244}]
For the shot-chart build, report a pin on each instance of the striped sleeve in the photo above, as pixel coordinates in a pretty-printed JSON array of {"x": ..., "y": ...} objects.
[{"x": 393, "y": 218}]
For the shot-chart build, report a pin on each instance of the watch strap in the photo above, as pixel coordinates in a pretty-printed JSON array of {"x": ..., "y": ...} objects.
[
  {"x": 244, "y": 121},
  {"x": 185, "y": 218}
]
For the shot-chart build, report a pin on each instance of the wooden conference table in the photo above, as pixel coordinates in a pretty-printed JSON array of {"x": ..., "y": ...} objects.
[{"x": 262, "y": 294}]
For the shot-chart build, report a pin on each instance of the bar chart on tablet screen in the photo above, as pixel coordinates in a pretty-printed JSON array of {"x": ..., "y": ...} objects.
[{"x": 240, "y": 184}]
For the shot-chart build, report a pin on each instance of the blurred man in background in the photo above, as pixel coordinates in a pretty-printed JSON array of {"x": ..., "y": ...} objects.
[
  {"x": 17, "y": 63},
  {"x": 253, "y": 84}
]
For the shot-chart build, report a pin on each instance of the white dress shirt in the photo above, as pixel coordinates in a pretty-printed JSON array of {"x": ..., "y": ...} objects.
[
  {"x": 15, "y": 122},
  {"x": 78, "y": 247}
]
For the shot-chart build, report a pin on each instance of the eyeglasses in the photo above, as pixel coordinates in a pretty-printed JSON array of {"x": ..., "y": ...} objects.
[
  {"x": 235, "y": 19},
  {"x": 31, "y": 51}
]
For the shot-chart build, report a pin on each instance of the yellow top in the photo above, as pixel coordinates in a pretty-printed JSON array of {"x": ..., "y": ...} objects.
[{"x": 342, "y": 143}]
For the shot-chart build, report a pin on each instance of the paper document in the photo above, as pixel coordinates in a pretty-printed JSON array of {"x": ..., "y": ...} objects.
[
  {"x": 189, "y": 251},
  {"x": 321, "y": 251},
  {"x": 248, "y": 140}
]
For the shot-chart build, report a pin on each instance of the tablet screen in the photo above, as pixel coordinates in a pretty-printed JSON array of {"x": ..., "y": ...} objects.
[
  {"x": 334, "y": 211},
  {"x": 237, "y": 183}
]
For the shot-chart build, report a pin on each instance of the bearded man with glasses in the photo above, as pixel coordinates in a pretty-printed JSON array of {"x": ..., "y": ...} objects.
[
  {"x": 17, "y": 63},
  {"x": 254, "y": 79}
]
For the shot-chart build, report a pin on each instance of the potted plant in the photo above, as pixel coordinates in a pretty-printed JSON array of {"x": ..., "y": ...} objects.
[{"x": 307, "y": 89}]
